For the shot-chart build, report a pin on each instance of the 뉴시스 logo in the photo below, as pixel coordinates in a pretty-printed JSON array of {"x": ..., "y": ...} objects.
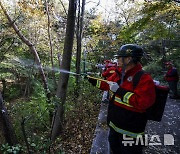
[{"x": 148, "y": 140}]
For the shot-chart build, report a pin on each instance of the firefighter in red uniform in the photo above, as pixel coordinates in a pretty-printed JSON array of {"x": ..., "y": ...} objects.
[
  {"x": 107, "y": 64},
  {"x": 127, "y": 106},
  {"x": 172, "y": 78},
  {"x": 110, "y": 69}
]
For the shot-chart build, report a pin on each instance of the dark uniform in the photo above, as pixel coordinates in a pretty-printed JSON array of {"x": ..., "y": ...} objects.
[{"x": 172, "y": 78}]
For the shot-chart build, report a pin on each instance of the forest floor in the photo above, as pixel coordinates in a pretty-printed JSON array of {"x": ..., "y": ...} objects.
[
  {"x": 80, "y": 124},
  {"x": 79, "y": 129}
]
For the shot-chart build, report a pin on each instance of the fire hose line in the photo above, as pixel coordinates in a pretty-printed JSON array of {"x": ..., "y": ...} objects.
[{"x": 97, "y": 78}]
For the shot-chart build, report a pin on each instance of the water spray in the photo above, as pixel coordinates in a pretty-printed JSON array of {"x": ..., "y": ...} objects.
[{"x": 29, "y": 63}]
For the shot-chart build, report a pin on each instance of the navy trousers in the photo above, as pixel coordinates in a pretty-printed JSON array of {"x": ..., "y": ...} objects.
[{"x": 173, "y": 88}]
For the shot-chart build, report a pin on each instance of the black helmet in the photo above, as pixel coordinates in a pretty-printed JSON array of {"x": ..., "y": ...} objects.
[{"x": 130, "y": 50}]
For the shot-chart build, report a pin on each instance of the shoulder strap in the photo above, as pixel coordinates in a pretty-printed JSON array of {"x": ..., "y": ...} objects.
[
  {"x": 136, "y": 78},
  {"x": 118, "y": 73}
]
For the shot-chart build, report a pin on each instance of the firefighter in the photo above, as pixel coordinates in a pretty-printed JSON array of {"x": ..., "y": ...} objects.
[
  {"x": 172, "y": 78},
  {"x": 111, "y": 68},
  {"x": 103, "y": 67},
  {"x": 127, "y": 106},
  {"x": 107, "y": 64}
]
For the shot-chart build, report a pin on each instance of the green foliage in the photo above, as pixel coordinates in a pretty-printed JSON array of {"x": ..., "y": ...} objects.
[
  {"x": 95, "y": 28},
  {"x": 156, "y": 71},
  {"x": 86, "y": 90},
  {"x": 39, "y": 143},
  {"x": 101, "y": 39},
  {"x": 158, "y": 20},
  {"x": 13, "y": 91},
  {"x": 7, "y": 149},
  {"x": 36, "y": 107},
  {"x": 156, "y": 67},
  {"x": 35, "y": 112},
  {"x": 174, "y": 56}
]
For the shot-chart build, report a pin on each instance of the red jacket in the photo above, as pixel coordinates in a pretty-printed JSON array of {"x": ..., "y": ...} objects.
[
  {"x": 172, "y": 75},
  {"x": 144, "y": 93},
  {"x": 107, "y": 73},
  {"x": 126, "y": 112}
]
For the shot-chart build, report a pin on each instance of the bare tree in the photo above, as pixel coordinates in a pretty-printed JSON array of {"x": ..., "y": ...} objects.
[
  {"x": 64, "y": 77},
  {"x": 50, "y": 44},
  {"x": 79, "y": 38}
]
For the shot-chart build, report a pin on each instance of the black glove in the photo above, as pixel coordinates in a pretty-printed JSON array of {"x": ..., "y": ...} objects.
[{"x": 92, "y": 81}]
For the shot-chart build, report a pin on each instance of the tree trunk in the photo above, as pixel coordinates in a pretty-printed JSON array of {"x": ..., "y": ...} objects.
[
  {"x": 63, "y": 79},
  {"x": 51, "y": 46},
  {"x": 79, "y": 29},
  {"x": 8, "y": 131},
  {"x": 59, "y": 59},
  {"x": 4, "y": 87},
  {"x": 79, "y": 39}
]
